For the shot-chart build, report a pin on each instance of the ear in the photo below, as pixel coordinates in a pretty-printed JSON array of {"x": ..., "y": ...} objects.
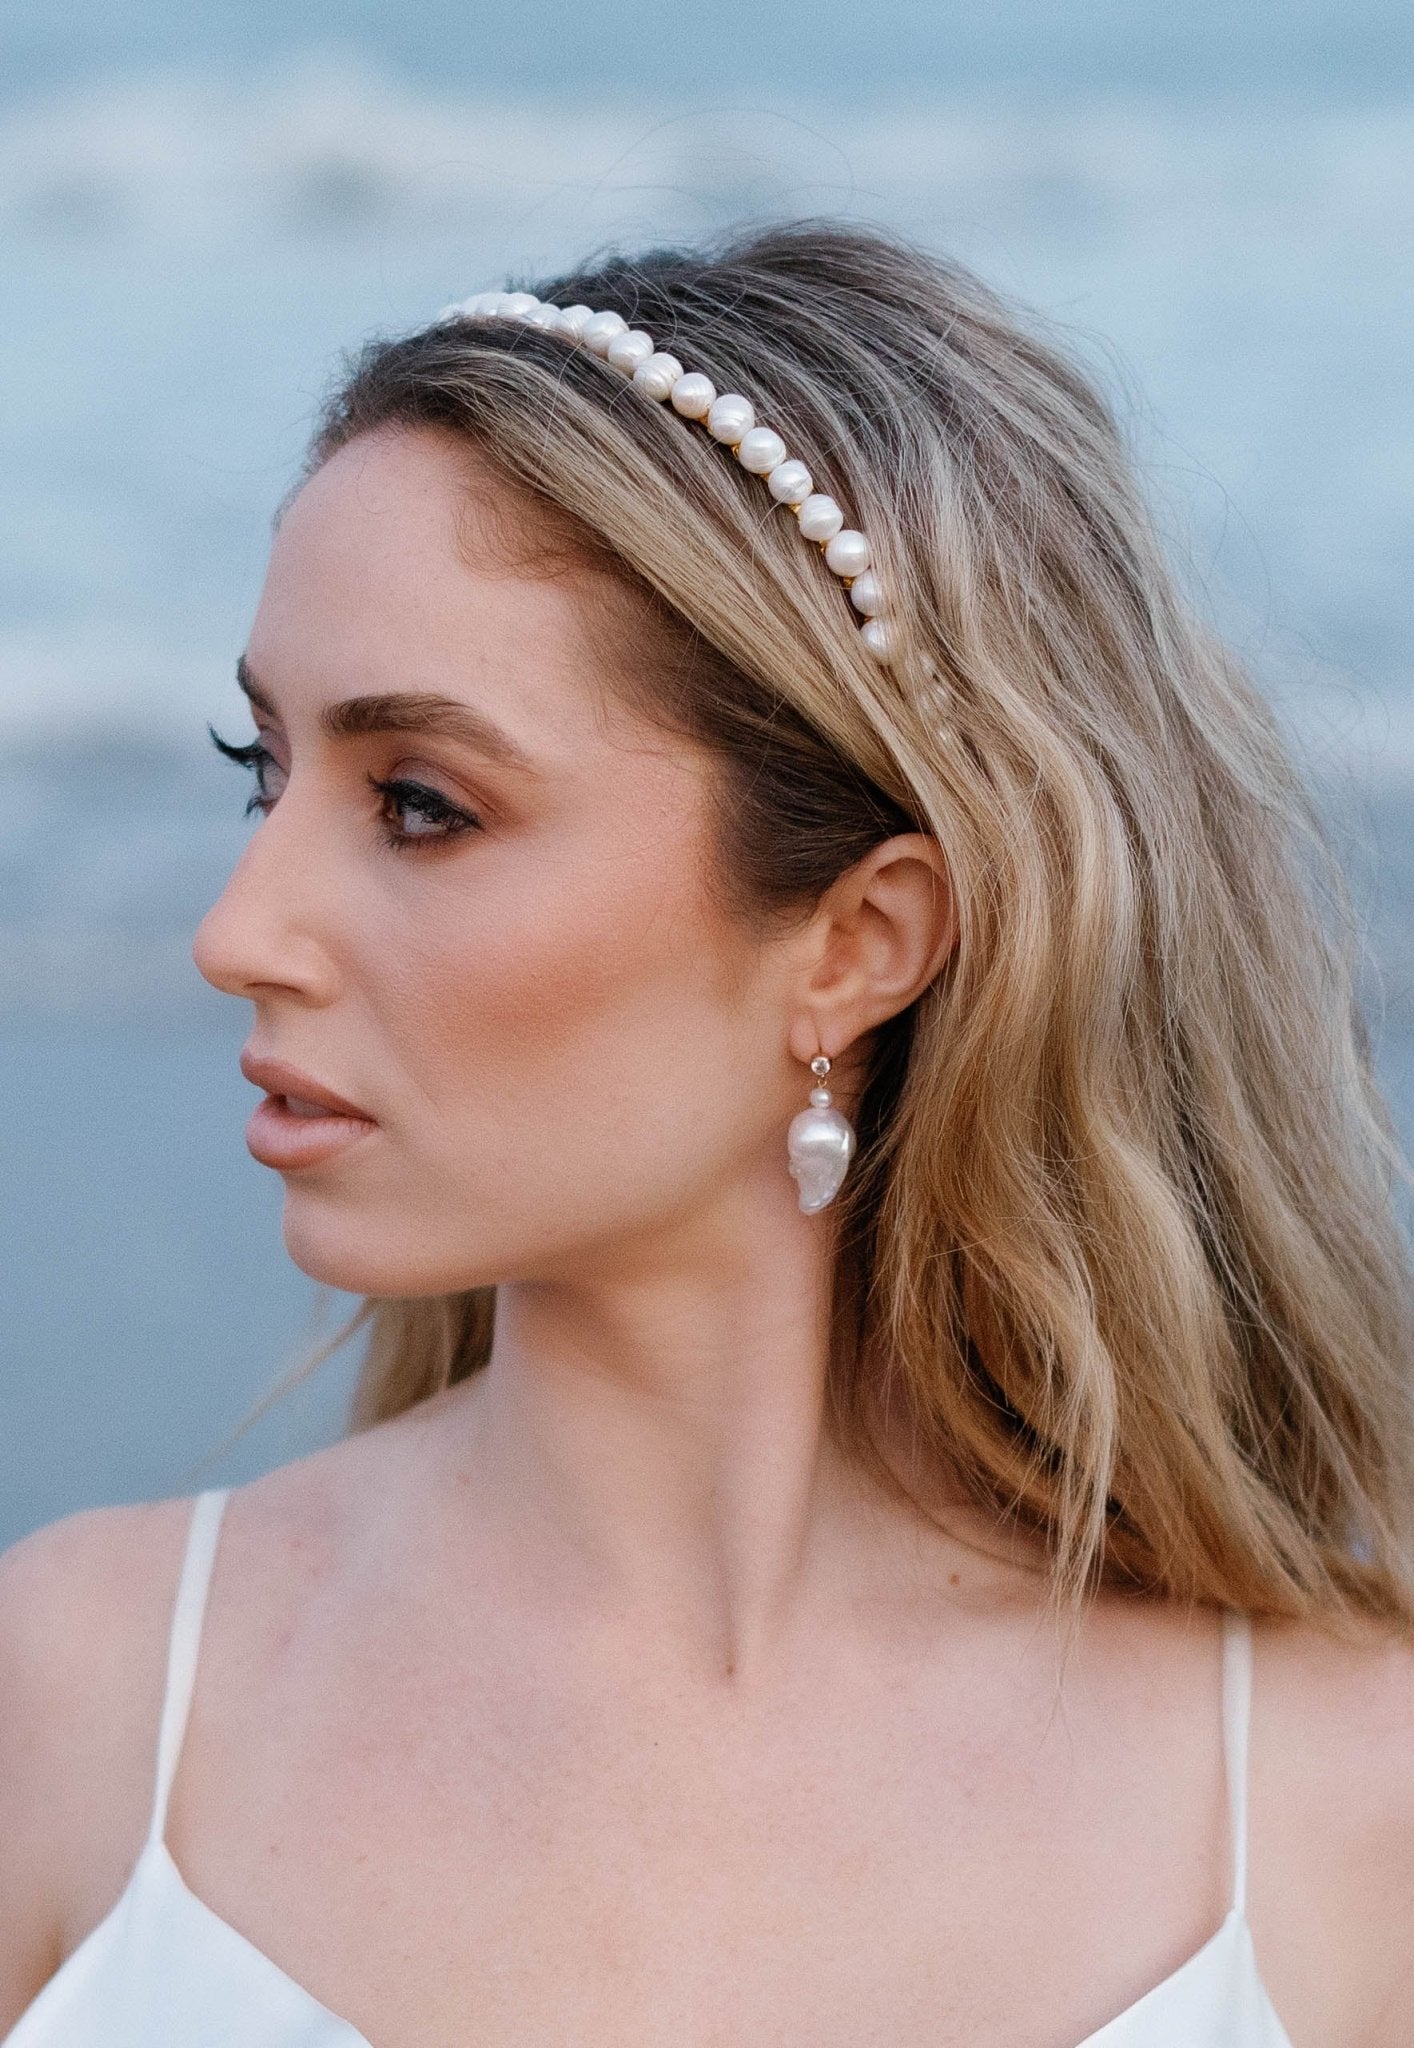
[{"x": 881, "y": 933}]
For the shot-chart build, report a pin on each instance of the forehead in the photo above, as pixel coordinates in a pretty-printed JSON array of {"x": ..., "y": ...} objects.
[{"x": 396, "y": 565}]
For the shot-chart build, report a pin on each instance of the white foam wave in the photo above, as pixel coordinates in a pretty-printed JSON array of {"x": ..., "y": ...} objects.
[{"x": 333, "y": 144}]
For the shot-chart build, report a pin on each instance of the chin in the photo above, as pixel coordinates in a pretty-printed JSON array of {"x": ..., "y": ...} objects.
[
  {"x": 337, "y": 1252},
  {"x": 359, "y": 1255}
]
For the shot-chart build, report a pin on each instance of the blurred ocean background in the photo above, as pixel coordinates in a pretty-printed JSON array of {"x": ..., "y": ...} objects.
[{"x": 199, "y": 210}]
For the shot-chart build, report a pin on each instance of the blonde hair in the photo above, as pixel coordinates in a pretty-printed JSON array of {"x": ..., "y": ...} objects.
[{"x": 1118, "y": 1240}]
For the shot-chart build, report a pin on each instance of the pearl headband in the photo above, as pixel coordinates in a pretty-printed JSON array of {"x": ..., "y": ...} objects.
[{"x": 730, "y": 419}]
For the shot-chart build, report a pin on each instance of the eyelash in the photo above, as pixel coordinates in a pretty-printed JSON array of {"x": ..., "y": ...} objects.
[{"x": 411, "y": 796}]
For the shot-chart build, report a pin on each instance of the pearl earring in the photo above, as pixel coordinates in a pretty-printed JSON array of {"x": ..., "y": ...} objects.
[{"x": 820, "y": 1143}]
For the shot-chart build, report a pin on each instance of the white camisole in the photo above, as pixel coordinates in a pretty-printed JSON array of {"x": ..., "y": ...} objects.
[{"x": 165, "y": 1971}]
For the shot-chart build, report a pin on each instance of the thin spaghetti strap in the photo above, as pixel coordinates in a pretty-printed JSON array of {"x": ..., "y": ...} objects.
[
  {"x": 1237, "y": 1715},
  {"x": 187, "y": 1612}
]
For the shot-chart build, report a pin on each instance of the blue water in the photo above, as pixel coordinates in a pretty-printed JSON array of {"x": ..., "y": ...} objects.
[
  {"x": 737, "y": 49},
  {"x": 200, "y": 208},
  {"x": 148, "y": 1302}
]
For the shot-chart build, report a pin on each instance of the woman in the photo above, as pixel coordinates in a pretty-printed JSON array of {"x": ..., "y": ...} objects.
[{"x": 794, "y": 1580}]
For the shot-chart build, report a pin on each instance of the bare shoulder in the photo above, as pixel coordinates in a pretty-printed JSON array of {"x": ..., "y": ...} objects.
[
  {"x": 1332, "y": 1768},
  {"x": 86, "y": 1608},
  {"x": 85, "y": 1604},
  {"x": 1344, "y": 1704}
]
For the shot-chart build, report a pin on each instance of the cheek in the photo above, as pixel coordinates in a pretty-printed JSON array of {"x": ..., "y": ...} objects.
[{"x": 555, "y": 1026}]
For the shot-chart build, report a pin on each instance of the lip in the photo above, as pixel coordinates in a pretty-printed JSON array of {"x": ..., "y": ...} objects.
[
  {"x": 278, "y": 1137},
  {"x": 278, "y": 1077}
]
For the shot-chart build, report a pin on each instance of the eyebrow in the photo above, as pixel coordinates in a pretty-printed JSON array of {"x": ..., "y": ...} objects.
[{"x": 409, "y": 711}]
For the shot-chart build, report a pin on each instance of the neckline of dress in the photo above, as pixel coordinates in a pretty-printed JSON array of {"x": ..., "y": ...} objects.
[{"x": 155, "y": 1853}]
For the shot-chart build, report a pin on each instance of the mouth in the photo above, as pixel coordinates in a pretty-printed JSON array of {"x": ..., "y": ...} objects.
[
  {"x": 301, "y": 1122},
  {"x": 297, "y": 1106},
  {"x": 304, "y": 1095}
]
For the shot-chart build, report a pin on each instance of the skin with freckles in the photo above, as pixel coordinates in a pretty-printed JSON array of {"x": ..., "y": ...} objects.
[{"x": 597, "y": 1699}]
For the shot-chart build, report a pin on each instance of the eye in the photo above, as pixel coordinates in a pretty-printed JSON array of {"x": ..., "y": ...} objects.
[
  {"x": 254, "y": 755},
  {"x": 441, "y": 819}
]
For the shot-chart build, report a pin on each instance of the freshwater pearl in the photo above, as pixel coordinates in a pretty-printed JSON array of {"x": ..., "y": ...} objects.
[
  {"x": 790, "y": 483},
  {"x": 819, "y": 1144},
  {"x": 761, "y": 450},
  {"x": 848, "y": 553},
  {"x": 627, "y": 351},
  {"x": 731, "y": 417},
  {"x": 866, "y": 595},
  {"x": 694, "y": 396},
  {"x": 600, "y": 329},
  {"x": 656, "y": 377},
  {"x": 820, "y": 517}
]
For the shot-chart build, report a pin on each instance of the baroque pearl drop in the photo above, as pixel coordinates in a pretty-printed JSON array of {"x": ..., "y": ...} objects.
[
  {"x": 544, "y": 316},
  {"x": 820, "y": 517},
  {"x": 694, "y": 396},
  {"x": 761, "y": 450},
  {"x": 515, "y": 304},
  {"x": 574, "y": 320},
  {"x": 819, "y": 1144},
  {"x": 626, "y": 351},
  {"x": 866, "y": 595},
  {"x": 790, "y": 483},
  {"x": 656, "y": 377},
  {"x": 848, "y": 553},
  {"x": 875, "y": 635},
  {"x": 731, "y": 418},
  {"x": 600, "y": 329}
]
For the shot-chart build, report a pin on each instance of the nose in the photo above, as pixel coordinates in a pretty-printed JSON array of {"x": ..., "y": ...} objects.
[{"x": 262, "y": 932}]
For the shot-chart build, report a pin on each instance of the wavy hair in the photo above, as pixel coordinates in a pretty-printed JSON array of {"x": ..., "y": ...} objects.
[{"x": 1119, "y": 1242}]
